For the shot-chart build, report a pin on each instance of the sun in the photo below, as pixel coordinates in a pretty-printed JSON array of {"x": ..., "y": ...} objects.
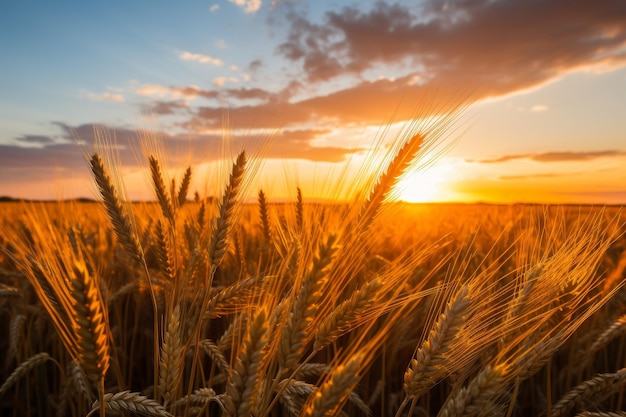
[{"x": 423, "y": 186}]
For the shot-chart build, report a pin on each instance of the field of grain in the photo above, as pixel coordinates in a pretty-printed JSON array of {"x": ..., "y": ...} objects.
[{"x": 215, "y": 307}]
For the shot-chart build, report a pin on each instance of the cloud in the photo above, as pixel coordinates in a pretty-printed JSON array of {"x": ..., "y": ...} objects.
[
  {"x": 546, "y": 157},
  {"x": 67, "y": 158},
  {"x": 204, "y": 59},
  {"x": 38, "y": 139},
  {"x": 496, "y": 47},
  {"x": 164, "y": 108},
  {"x": 248, "y": 6},
  {"x": 214, "y": 8},
  {"x": 220, "y": 43},
  {"x": 539, "y": 108},
  {"x": 220, "y": 81},
  {"x": 106, "y": 96}
]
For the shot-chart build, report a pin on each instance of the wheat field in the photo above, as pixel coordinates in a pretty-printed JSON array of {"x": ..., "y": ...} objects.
[{"x": 213, "y": 305}]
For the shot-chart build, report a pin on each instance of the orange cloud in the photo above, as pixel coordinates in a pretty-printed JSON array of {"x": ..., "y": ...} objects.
[
  {"x": 204, "y": 59},
  {"x": 564, "y": 156}
]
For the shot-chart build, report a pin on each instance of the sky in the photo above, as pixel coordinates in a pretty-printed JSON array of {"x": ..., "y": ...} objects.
[{"x": 520, "y": 100}]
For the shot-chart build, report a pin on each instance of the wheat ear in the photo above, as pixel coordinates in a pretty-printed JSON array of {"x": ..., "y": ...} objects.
[
  {"x": 91, "y": 334},
  {"x": 22, "y": 369},
  {"x": 163, "y": 196},
  {"x": 330, "y": 397},
  {"x": 164, "y": 253},
  {"x": 470, "y": 400},
  {"x": 264, "y": 215},
  {"x": 223, "y": 222},
  {"x": 130, "y": 402},
  {"x": 305, "y": 305},
  {"x": 589, "y": 392},
  {"x": 92, "y": 339},
  {"x": 618, "y": 327},
  {"x": 231, "y": 298},
  {"x": 115, "y": 210},
  {"x": 299, "y": 211},
  {"x": 216, "y": 355},
  {"x": 346, "y": 314},
  {"x": 184, "y": 187},
  {"x": 170, "y": 359},
  {"x": 429, "y": 363},
  {"x": 245, "y": 380},
  {"x": 601, "y": 414},
  {"x": 403, "y": 159},
  {"x": 199, "y": 398}
]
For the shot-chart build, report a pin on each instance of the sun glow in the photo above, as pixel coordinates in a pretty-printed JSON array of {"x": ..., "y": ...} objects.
[{"x": 424, "y": 186}]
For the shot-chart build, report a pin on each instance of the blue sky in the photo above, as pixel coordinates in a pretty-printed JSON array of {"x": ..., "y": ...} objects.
[{"x": 545, "y": 81}]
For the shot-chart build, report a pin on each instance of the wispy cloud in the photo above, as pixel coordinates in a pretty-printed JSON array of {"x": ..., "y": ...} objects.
[
  {"x": 220, "y": 81},
  {"x": 564, "y": 156},
  {"x": 214, "y": 8},
  {"x": 248, "y": 6},
  {"x": 539, "y": 108},
  {"x": 204, "y": 59},
  {"x": 106, "y": 96}
]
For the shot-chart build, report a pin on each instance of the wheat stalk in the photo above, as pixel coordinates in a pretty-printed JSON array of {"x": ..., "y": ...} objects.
[
  {"x": 22, "y": 369},
  {"x": 116, "y": 212},
  {"x": 589, "y": 392},
  {"x": 184, "y": 187},
  {"x": 159, "y": 188},
  {"x": 429, "y": 363},
  {"x": 170, "y": 359},
  {"x": 223, "y": 222},
  {"x": 245, "y": 379},
  {"x": 470, "y": 400},
  {"x": 305, "y": 305},
  {"x": 330, "y": 397},
  {"x": 346, "y": 314},
  {"x": 91, "y": 332},
  {"x": 216, "y": 355},
  {"x": 264, "y": 215},
  {"x": 130, "y": 402}
]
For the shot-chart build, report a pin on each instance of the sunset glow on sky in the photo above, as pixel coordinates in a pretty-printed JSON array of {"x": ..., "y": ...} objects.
[{"x": 312, "y": 87}]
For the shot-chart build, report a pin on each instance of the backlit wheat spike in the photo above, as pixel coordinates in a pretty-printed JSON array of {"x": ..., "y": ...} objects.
[
  {"x": 163, "y": 197},
  {"x": 305, "y": 305},
  {"x": 171, "y": 359},
  {"x": 601, "y": 414},
  {"x": 130, "y": 402},
  {"x": 299, "y": 211},
  {"x": 223, "y": 222},
  {"x": 331, "y": 396},
  {"x": 183, "y": 190},
  {"x": 232, "y": 298},
  {"x": 245, "y": 379},
  {"x": 387, "y": 180},
  {"x": 265, "y": 221},
  {"x": 163, "y": 252},
  {"x": 429, "y": 364},
  {"x": 22, "y": 369},
  {"x": 589, "y": 392},
  {"x": 92, "y": 339},
  {"x": 470, "y": 400},
  {"x": 346, "y": 314},
  {"x": 115, "y": 210}
]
